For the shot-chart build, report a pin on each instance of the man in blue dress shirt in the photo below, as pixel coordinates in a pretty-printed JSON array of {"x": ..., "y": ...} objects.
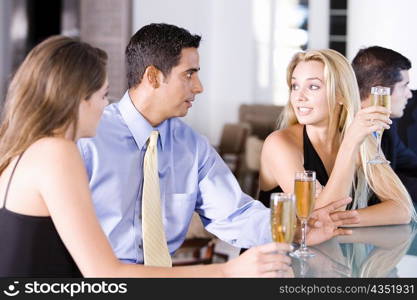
[{"x": 162, "y": 71}]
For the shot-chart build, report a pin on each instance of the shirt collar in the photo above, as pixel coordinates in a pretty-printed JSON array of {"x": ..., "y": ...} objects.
[{"x": 138, "y": 125}]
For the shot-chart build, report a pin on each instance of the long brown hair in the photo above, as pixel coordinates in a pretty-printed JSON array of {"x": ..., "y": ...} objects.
[{"x": 45, "y": 93}]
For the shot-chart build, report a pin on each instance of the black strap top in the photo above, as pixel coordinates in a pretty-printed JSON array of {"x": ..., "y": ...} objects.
[
  {"x": 31, "y": 247},
  {"x": 312, "y": 162}
]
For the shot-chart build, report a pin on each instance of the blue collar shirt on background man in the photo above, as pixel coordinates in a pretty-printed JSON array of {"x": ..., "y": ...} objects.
[{"x": 193, "y": 177}]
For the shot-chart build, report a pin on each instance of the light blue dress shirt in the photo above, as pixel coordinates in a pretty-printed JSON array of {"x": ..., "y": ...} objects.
[{"x": 193, "y": 177}]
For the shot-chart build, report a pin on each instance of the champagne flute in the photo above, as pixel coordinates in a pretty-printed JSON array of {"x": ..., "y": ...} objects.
[
  {"x": 380, "y": 96},
  {"x": 305, "y": 191},
  {"x": 283, "y": 219}
]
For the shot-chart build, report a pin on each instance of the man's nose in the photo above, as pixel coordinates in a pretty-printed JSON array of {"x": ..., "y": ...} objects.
[
  {"x": 409, "y": 93},
  {"x": 197, "y": 87}
]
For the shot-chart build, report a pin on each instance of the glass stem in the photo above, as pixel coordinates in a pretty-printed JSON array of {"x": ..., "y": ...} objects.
[
  {"x": 303, "y": 234},
  {"x": 378, "y": 141}
]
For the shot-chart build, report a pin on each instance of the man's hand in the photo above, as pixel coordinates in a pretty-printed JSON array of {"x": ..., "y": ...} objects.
[{"x": 324, "y": 222}]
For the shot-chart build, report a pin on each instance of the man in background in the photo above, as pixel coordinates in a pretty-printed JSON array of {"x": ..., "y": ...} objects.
[{"x": 378, "y": 66}]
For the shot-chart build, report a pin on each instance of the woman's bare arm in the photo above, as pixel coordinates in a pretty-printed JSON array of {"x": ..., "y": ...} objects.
[{"x": 64, "y": 187}]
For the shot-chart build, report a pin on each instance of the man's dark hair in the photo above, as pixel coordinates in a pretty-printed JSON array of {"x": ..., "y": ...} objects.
[
  {"x": 375, "y": 66},
  {"x": 159, "y": 45}
]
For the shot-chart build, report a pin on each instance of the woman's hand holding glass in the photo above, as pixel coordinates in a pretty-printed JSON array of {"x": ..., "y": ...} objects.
[
  {"x": 380, "y": 97},
  {"x": 367, "y": 121}
]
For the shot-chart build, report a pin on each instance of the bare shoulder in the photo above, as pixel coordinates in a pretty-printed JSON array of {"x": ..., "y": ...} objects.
[
  {"x": 55, "y": 161},
  {"x": 282, "y": 150},
  {"x": 44, "y": 164},
  {"x": 53, "y": 144},
  {"x": 50, "y": 150},
  {"x": 288, "y": 139}
]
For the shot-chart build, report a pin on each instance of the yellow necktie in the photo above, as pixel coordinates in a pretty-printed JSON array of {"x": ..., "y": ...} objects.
[{"x": 155, "y": 248}]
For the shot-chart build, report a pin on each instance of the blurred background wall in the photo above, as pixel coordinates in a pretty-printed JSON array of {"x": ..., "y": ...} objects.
[
  {"x": 245, "y": 48},
  {"x": 386, "y": 23}
]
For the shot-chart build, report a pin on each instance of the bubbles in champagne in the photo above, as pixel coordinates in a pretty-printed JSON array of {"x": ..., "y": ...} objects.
[
  {"x": 304, "y": 194},
  {"x": 283, "y": 219},
  {"x": 381, "y": 100}
]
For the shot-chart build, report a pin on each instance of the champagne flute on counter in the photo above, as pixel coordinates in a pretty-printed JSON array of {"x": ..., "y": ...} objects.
[
  {"x": 380, "y": 96},
  {"x": 305, "y": 191},
  {"x": 283, "y": 219}
]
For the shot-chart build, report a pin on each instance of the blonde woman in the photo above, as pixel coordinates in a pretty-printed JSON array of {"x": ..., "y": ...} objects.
[
  {"x": 323, "y": 129},
  {"x": 48, "y": 226}
]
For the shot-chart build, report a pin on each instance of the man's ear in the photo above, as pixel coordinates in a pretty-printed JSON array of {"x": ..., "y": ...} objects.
[{"x": 153, "y": 76}]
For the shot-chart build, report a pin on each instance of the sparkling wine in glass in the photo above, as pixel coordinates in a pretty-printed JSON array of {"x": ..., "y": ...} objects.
[
  {"x": 283, "y": 219},
  {"x": 380, "y": 96},
  {"x": 305, "y": 191}
]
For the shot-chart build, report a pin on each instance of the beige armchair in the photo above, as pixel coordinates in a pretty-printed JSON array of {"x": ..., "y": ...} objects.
[
  {"x": 262, "y": 120},
  {"x": 232, "y": 145}
]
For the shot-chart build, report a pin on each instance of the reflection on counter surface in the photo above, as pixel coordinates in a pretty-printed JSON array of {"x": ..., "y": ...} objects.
[{"x": 383, "y": 251}]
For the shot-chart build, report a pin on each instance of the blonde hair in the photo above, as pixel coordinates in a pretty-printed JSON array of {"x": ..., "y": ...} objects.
[
  {"x": 381, "y": 261},
  {"x": 46, "y": 91},
  {"x": 343, "y": 103}
]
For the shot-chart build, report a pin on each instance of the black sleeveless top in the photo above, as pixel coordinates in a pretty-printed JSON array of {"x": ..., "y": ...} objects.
[
  {"x": 31, "y": 247},
  {"x": 312, "y": 162}
]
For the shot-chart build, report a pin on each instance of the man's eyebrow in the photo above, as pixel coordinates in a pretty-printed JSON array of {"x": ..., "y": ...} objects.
[{"x": 192, "y": 70}]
